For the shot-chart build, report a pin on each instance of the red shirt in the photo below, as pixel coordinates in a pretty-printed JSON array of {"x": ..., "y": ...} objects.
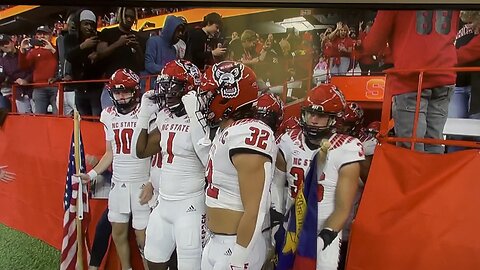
[
  {"x": 469, "y": 52},
  {"x": 339, "y": 42},
  {"x": 423, "y": 41},
  {"x": 365, "y": 59},
  {"x": 42, "y": 61}
]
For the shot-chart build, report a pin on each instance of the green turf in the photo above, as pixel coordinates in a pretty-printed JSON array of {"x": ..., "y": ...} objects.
[{"x": 18, "y": 251}]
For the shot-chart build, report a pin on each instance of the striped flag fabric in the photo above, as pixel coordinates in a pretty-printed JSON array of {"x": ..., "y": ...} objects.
[
  {"x": 297, "y": 239},
  {"x": 72, "y": 185}
]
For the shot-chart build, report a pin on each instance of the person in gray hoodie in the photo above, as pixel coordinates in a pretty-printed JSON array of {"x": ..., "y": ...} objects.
[{"x": 160, "y": 49}]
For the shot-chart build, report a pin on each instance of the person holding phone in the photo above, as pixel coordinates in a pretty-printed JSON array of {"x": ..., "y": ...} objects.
[
  {"x": 39, "y": 55},
  {"x": 11, "y": 73},
  {"x": 81, "y": 52},
  {"x": 121, "y": 47}
]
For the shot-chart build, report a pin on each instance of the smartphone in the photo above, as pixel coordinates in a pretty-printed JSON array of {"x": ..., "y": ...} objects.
[{"x": 37, "y": 42}]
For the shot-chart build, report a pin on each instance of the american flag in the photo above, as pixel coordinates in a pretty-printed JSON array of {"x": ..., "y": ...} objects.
[{"x": 69, "y": 244}]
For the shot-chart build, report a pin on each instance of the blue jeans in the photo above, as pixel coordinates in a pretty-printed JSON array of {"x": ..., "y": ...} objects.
[
  {"x": 43, "y": 97},
  {"x": 459, "y": 107},
  {"x": 5, "y": 103},
  {"x": 431, "y": 120},
  {"x": 341, "y": 69},
  {"x": 460, "y": 102}
]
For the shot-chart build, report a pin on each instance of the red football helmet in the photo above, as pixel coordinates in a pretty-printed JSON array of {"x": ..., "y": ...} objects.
[
  {"x": 373, "y": 128},
  {"x": 323, "y": 100},
  {"x": 351, "y": 121},
  {"x": 177, "y": 78},
  {"x": 269, "y": 109},
  {"x": 123, "y": 81},
  {"x": 291, "y": 123},
  {"x": 227, "y": 90}
]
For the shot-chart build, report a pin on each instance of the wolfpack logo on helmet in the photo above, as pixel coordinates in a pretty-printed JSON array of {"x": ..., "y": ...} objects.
[
  {"x": 228, "y": 80},
  {"x": 191, "y": 69}
]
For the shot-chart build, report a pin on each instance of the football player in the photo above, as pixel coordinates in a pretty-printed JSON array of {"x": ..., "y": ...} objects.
[
  {"x": 351, "y": 121},
  {"x": 338, "y": 182},
  {"x": 130, "y": 174},
  {"x": 239, "y": 168},
  {"x": 269, "y": 109},
  {"x": 178, "y": 221}
]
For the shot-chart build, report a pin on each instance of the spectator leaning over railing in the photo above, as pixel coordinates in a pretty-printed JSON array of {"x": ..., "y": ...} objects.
[
  {"x": 419, "y": 39},
  {"x": 11, "y": 73},
  {"x": 39, "y": 55},
  {"x": 80, "y": 48}
]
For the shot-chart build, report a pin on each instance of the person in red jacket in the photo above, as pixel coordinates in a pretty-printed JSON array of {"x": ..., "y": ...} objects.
[
  {"x": 39, "y": 55},
  {"x": 418, "y": 39}
]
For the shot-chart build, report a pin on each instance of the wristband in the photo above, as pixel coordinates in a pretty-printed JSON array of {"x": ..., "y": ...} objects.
[
  {"x": 239, "y": 255},
  {"x": 92, "y": 174},
  {"x": 327, "y": 235}
]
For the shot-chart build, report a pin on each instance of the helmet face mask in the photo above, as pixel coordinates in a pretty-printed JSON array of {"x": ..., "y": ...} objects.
[
  {"x": 171, "y": 91},
  {"x": 204, "y": 114},
  {"x": 323, "y": 127},
  {"x": 324, "y": 103},
  {"x": 122, "y": 88},
  {"x": 177, "y": 78}
]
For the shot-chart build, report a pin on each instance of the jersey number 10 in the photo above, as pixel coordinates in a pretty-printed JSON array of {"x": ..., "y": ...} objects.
[{"x": 123, "y": 140}]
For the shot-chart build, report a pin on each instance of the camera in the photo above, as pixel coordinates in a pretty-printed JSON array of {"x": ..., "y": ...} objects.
[{"x": 37, "y": 42}]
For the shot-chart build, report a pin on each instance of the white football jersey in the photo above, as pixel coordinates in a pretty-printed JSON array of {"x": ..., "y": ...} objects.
[
  {"x": 155, "y": 164},
  {"x": 246, "y": 135},
  {"x": 344, "y": 149},
  {"x": 297, "y": 155},
  {"x": 119, "y": 132},
  {"x": 369, "y": 143},
  {"x": 182, "y": 173}
]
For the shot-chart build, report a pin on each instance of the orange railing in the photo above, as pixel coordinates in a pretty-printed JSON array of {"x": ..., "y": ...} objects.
[
  {"x": 147, "y": 78},
  {"x": 387, "y": 106}
]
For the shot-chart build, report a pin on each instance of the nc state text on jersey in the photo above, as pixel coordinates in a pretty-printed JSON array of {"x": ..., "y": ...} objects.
[
  {"x": 124, "y": 125},
  {"x": 175, "y": 127},
  {"x": 299, "y": 161}
]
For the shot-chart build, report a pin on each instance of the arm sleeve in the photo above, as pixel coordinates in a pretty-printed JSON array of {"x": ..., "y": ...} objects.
[
  {"x": 254, "y": 137},
  {"x": 379, "y": 34},
  {"x": 469, "y": 52},
  {"x": 73, "y": 53},
  {"x": 351, "y": 152},
  {"x": 278, "y": 190},
  {"x": 24, "y": 60},
  {"x": 105, "y": 119},
  {"x": 151, "y": 56}
]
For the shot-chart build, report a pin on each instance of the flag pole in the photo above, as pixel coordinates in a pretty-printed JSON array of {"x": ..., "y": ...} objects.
[{"x": 79, "y": 206}]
